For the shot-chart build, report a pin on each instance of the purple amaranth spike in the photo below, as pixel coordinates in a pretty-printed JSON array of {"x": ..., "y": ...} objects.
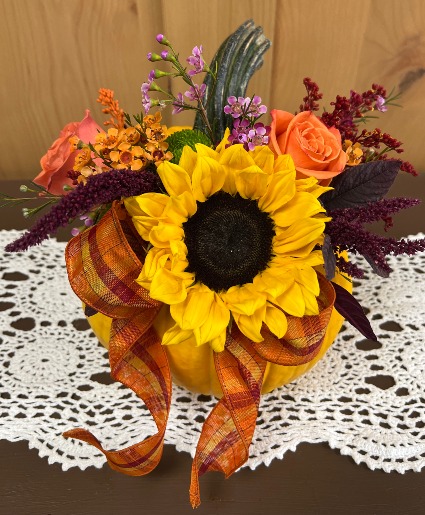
[
  {"x": 408, "y": 168},
  {"x": 100, "y": 189},
  {"x": 310, "y": 101},
  {"x": 373, "y": 212},
  {"x": 352, "y": 237}
]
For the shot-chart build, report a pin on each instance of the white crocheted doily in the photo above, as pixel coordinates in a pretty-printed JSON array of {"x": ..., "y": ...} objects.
[{"x": 53, "y": 374}]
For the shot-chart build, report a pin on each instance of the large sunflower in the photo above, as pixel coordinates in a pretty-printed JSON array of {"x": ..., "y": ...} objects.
[{"x": 232, "y": 242}]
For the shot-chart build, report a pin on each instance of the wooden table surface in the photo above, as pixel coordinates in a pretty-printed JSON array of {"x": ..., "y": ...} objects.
[{"x": 313, "y": 480}]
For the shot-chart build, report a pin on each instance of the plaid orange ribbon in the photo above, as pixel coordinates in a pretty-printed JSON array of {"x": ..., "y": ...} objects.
[
  {"x": 102, "y": 267},
  {"x": 103, "y": 264}
]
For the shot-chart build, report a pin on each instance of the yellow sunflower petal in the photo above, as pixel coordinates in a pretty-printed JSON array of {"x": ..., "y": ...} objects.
[
  {"x": 229, "y": 185},
  {"x": 194, "y": 310},
  {"x": 311, "y": 306},
  {"x": 273, "y": 281},
  {"x": 176, "y": 334},
  {"x": 163, "y": 233},
  {"x": 302, "y": 205},
  {"x": 244, "y": 300},
  {"x": 280, "y": 190},
  {"x": 307, "y": 277},
  {"x": 179, "y": 209},
  {"x": 263, "y": 158},
  {"x": 218, "y": 343},
  {"x": 216, "y": 323},
  {"x": 144, "y": 225},
  {"x": 251, "y": 326},
  {"x": 151, "y": 204},
  {"x": 222, "y": 145},
  {"x": 284, "y": 162},
  {"x": 178, "y": 249},
  {"x": 204, "y": 151},
  {"x": 251, "y": 182},
  {"x": 315, "y": 258},
  {"x": 174, "y": 178},
  {"x": 311, "y": 185},
  {"x": 292, "y": 301},
  {"x": 236, "y": 157},
  {"x": 208, "y": 177},
  {"x": 188, "y": 159},
  {"x": 276, "y": 320},
  {"x": 300, "y": 238},
  {"x": 155, "y": 260},
  {"x": 168, "y": 287}
]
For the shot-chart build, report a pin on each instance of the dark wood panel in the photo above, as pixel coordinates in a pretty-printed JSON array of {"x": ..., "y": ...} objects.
[{"x": 312, "y": 481}]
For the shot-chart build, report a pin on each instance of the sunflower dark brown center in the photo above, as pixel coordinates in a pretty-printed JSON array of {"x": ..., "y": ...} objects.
[{"x": 229, "y": 241}]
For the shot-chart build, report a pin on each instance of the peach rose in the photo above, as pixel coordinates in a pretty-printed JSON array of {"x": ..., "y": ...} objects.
[
  {"x": 60, "y": 157},
  {"x": 315, "y": 149}
]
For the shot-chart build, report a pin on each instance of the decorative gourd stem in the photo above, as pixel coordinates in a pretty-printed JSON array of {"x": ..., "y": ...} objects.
[{"x": 240, "y": 55}]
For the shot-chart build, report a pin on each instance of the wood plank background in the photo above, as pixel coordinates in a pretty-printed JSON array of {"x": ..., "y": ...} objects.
[{"x": 55, "y": 54}]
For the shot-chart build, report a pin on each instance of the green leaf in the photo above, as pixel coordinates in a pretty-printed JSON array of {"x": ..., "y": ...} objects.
[{"x": 239, "y": 56}]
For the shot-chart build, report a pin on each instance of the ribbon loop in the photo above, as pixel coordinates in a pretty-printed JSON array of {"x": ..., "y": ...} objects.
[
  {"x": 103, "y": 266},
  {"x": 304, "y": 336}
]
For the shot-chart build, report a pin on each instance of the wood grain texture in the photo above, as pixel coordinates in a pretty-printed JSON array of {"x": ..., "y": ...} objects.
[{"x": 55, "y": 54}]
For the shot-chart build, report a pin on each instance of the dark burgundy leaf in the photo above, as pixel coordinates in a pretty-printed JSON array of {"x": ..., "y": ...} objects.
[
  {"x": 351, "y": 310},
  {"x": 329, "y": 258},
  {"x": 361, "y": 184},
  {"x": 378, "y": 269}
]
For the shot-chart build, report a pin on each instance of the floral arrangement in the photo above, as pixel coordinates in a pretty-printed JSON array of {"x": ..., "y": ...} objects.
[{"x": 233, "y": 236}]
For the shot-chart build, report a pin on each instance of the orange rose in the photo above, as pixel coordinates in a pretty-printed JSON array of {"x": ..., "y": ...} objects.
[
  {"x": 60, "y": 157},
  {"x": 315, "y": 149}
]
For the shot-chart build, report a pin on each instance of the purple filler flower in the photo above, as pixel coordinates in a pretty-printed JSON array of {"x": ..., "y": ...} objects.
[
  {"x": 178, "y": 104},
  {"x": 258, "y": 135},
  {"x": 146, "y": 100},
  {"x": 239, "y": 133},
  {"x": 235, "y": 106},
  {"x": 380, "y": 104},
  {"x": 196, "y": 61},
  {"x": 256, "y": 109},
  {"x": 195, "y": 93}
]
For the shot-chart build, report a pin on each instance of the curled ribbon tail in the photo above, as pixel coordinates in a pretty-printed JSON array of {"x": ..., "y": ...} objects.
[
  {"x": 104, "y": 277},
  {"x": 227, "y": 433}
]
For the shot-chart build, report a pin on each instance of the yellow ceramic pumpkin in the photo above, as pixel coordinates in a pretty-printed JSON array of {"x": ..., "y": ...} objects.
[{"x": 193, "y": 367}]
